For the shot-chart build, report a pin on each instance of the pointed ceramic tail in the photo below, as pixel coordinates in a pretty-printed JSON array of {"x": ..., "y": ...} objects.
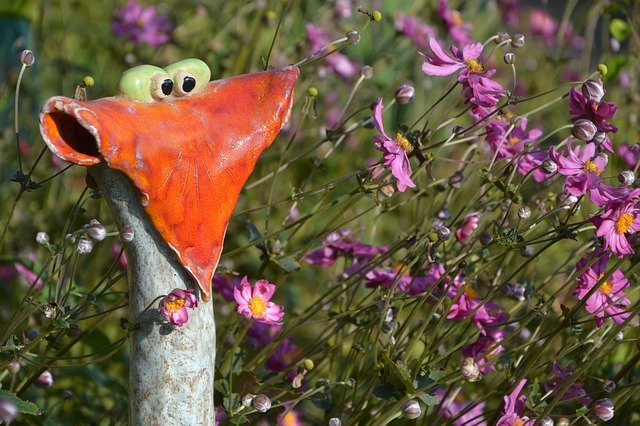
[{"x": 188, "y": 157}]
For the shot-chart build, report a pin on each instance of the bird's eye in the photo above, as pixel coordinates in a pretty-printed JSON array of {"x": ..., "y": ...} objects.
[
  {"x": 146, "y": 83},
  {"x": 190, "y": 76}
]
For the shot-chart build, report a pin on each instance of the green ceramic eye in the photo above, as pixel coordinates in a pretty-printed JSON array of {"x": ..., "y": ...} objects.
[
  {"x": 190, "y": 76},
  {"x": 146, "y": 83}
]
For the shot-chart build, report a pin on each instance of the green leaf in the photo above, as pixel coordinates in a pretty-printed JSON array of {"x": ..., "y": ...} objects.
[
  {"x": 24, "y": 407},
  {"x": 289, "y": 264},
  {"x": 396, "y": 374},
  {"x": 619, "y": 29},
  {"x": 428, "y": 400},
  {"x": 254, "y": 235}
]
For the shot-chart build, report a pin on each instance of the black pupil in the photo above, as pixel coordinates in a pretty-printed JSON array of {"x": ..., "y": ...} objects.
[
  {"x": 188, "y": 83},
  {"x": 167, "y": 86}
]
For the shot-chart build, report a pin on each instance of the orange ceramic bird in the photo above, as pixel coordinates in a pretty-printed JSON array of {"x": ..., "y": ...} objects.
[{"x": 187, "y": 144}]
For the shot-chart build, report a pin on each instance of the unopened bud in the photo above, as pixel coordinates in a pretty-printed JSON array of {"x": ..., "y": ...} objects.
[
  {"x": 262, "y": 403},
  {"x": 593, "y": 90},
  {"x": 247, "y": 400},
  {"x": 485, "y": 238},
  {"x": 549, "y": 166},
  {"x": 84, "y": 245},
  {"x": 517, "y": 40},
  {"x": 353, "y": 37},
  {"x": 599, "y": 138},
  {"x": 411, "y": 409},
  {"x": 334, "y": 421},
  {"x": 509, "y": 58},
  {"x": 13, "y": 367},
  {"x": 619, "y": 336},
  {"x": 609, "y": 386},
  {"x": 444, "y": 214},
  {"x": 546, "y": 421},
  {"x": 443, "y": 233},
  {"x": 366, "y": 72},
  {"x": 405, "y": 94},
  {"x": 626, "y": 177},
  {"x": 8, "y": 410},
  {"x": 584, "y": 129},
  {"x": 27, "y": 58},
  {"x": 502, "y": 37},
  {"x": 67, "y": 394},
  {"x": 45, "y": 380},
  {"x": 524, "y": 212},
  {"x": 312, "y": 91},
  {"x": 528, "y": 251},
  {"x": 603, "y": 409},
  {"x": 470, "y": 370},
  {"x": 515, "y": 291},
  {"x": 96, "y": 231},
  {"x": 455, "y": 181},
  {"x": 42, "y": 238},
  {"x": 127, "y": 234}
]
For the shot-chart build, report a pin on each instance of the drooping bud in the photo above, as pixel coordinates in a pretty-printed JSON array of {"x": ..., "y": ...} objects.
[
  {"x": 444, "y": 213},
  {"x": 584, "y": 129},
  {"x": 549, "y": 166},
  {"x": 411, "y": 409},
  {"x": 603, "y": 409},
  {"x": 593, "y": 90},
  {"x": 517, "y": 40},
  {"x": 405, "y": 94},
  {"x": 502, "y": 37},
  {"x": 626, "y": 177},
  {"x": 470, "y": 370},
  {"x": 45, "y": 380},
  {"x": 42, "y": 238},
  {"x": 262, "y": 403},
  {"x": 96, "y": 230},
  {"x": 84, "y": 245},
  {"x": 524, "y": 212},
  {"x": 27, "y": 58},
  {"x": 509, "y": 58}
]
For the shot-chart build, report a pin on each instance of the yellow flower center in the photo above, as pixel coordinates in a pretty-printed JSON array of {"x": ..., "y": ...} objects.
[
  {"x": 471, "y": 293},
  {"x": 606, "y": 286},
  {"x": 508, "y": 115},
  {"x": 624, "y": 223},
  {"x": 174, "y": 305},
  {"x": 590, "y": 166},
  {"x": 289, "y": 419},
  {"x": 513, "y": 140},
  {"x": 257, "y": 306},
  {"x": 518, "y": 422},
  {"x": 403, "y": 142},
  {"x": 474, "y": 65},
  {"x": 457, "y": 19}
]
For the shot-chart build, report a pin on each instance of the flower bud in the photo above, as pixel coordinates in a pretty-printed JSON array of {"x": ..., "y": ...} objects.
[
  {"x": 456, "y": 179},
  {"x": 599, "y": 138},
  {"x": 42, "y": 238},
  {"x": 602, "y": 69},
  {"x": 528, "y": 251},
  {"x": 546, "y": 421},
  {"x": 517, "y": 40},
  {"x": 96, "y": 230},
  {"x": 444, "y": 213},
  {"x": 509, "y": 58},
  {"x": 13, "y": 367},
  {"x": 411, "y": 409},
  {"x": 515, "y": 291},
  {"x": 88, "y": 81},
  {"x": 626, "y": 177},
  {"x": 470, "y": 370},
  {"x": 309, "y": 364},
  {"x": 27, "y": 58},
  {"x": 609, "y": 386},
  {"x": 312, "y": 91},
  {"x": 67, "y": 394},
  {"x": 8, "y": 410},
  {"x": 353, "y": 37},
  {"x": 603, "y": 409},
  {"x": 405, "y": 94},
  {"x": 366, "y": 72},
  {"x": 334, "y": 421},
  {"x": 524, "y": 212},
  {"x": 593, "y": 90},
  {"x": 376, "y": 16},
  {"x": 443, "y": 233},
  {"x": 502, "y": 37},
  {"x": 247, "y": 400},
  {"x": 549, "y": 166},
  {"x": 84, "y": 245},
  {"x": 619, "y": 336},
  {"x": 584, "y": 129},
  {"x": 262, "y": 403},
  {"x": 45, "y": 380},
  {"x": 127, "y": 234}
]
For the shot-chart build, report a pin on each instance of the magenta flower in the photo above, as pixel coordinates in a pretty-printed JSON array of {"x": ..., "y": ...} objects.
[
  {"x": 455, "y": 25},
  {"x": 510, "y": 145},
  {"x": 340, "y": 64},
  {"x": 581, "y": 167},
  {"x": 141, "y": 25},
  {"x": 609, "y": 300},
  {"x": 546, "y": 26},
  {"x": 478, "y": 349},
  {"x": 394, "y": 151},
  {"x": 387, "y": 278},
  {"x": 617, "y": 221},
  {"x": 44, "y": 380},
  {"x": 452, "y": 407},
  {"x": 414, "y": 29},
  {"x": 597, "y": 112},
  {"x": 509, "y": 9},
  {"x": 261, "y": 334},
  {"x": 467, "y": 226},
  {"x": 341, "y": 243},
  {"x": 256, "y": 303},
  {"x": 221, "y": 285},
  {"x": 630, "y": 154},
  {"x": 514, "y": 408},
  {"x": 29, "y": 276},
  {"x": 439, "y": 63},
  {"x": 481, "y": 91},
  {"x": 575, "y": 391},
  {"x": 173, "y": 307},
  {"x": 283, "y": 356},
  {"x": 532, "y": 160}
]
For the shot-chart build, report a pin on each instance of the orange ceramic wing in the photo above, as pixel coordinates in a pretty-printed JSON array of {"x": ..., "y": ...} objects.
[{"x": 189, "y": 157}]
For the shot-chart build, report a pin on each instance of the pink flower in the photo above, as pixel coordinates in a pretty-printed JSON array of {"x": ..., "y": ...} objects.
[
  {"x": 173, "y": 307},
  {"x": 141, "y": 25},
  {"x": 581, "y": 167},
  {"x": 630, "y": 154},
  {"x": 221, "y": 285},
  {"x": 256, "y": 303},
  {"x": 478, "y": 349},
  {"x": 44, "y": 380},
  {"x": 543, "y": 25},
  {"x": 414, "y": 29},
  {"x": 283, "y": 356},
  {"x": 439, "y": 63},
  {"x": 514, "y": 408},
  {"x": 30, "y": 277},
  {"x": 617, "y": 222},
  {"x": 609, "y": 299},
  {"x": 457, "y": 28},
  {"x": 597, "y": 112},
  {"x": 340, "y": 64},
  {"x": 341, "y": 243},
  {"x": 576, "y": 390},
  {"x": 387, "y": 278},
  {"x": 452, "y": 407},
  {"x": 510, "y": 145},
  {"x": 532, "y": 160},
  {"x": 468, "y": 225},
  {"x": 394, "y": 151}
]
